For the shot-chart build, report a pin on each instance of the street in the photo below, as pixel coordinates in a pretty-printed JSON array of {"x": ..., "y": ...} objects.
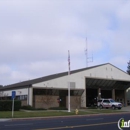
[{"x": 92, "y": 122}]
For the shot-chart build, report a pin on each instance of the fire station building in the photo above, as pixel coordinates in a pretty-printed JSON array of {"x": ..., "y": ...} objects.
[{"x": 86, "y": 84}]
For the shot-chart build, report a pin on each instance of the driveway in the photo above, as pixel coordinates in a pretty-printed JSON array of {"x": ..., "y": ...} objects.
[{"x": 126, "y": 108}]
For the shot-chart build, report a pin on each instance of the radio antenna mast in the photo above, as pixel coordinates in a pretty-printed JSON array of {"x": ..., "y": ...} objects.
[
  {"x": 88, "y": 59},
  {"x": 86, "y": 53}
]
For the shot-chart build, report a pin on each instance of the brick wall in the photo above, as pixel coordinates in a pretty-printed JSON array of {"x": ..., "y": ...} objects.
[{"x": 45, "y": 101}]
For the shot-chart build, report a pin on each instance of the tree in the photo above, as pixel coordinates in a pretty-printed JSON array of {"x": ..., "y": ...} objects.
[
  {"x": 47, "y": 98},
  {"x": 78, "y": 98},
  {"x": 128, "y": 68},
  {"x": 77, "y": 101}
]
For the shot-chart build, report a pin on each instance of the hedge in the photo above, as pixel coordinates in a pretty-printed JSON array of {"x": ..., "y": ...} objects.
[
  {"x": 28, "y": 107},
  {"x": 6, "y": 105},
  {"x": 58, "y": 108}
]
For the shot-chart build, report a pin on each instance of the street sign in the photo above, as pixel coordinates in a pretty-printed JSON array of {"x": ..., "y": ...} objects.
[{"x": 13, "y": 94}]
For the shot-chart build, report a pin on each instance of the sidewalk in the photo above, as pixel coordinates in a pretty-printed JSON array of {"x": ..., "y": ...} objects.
[
  {"x": 3, "y": 120},
  {"x": 127, "y": 109}
]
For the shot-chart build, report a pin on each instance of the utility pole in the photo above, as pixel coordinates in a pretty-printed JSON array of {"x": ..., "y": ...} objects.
[{"x": 68, "y": 81}]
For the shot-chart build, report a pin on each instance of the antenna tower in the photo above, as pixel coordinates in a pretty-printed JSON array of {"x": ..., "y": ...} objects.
[{"x": 88, "y": 59}]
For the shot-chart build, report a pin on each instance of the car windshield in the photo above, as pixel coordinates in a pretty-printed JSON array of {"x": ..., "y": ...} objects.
[{"x": 112, "y": 100}]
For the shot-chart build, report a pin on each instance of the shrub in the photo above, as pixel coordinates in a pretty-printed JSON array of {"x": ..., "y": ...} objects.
[
  {"x": 28, "y": 107},
  {"x": 40, "y": 109},
  {"x": 94, "y": 107},
  {"x": 58, "y": 108},
  {"x": 6, "y": 105}
]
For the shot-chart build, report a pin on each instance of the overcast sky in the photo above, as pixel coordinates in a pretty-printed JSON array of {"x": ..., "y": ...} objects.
[{"x": 35, "y": 36}]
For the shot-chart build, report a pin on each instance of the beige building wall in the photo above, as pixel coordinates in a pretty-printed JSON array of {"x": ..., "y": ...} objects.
[
  {"x": 45, "y": 101},
  {"x": 128, "y": 93},
  {"x": 120, "y": 96}
]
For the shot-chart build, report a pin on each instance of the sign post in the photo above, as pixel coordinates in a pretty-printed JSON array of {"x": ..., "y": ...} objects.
[{"x": 13, "y": 96}]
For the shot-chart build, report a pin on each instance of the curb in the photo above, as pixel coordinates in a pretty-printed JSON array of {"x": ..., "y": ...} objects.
[{"x": 70, "y": 116}]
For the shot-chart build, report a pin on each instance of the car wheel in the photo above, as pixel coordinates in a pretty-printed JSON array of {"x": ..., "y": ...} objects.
[{"x": 113, "y": 107}]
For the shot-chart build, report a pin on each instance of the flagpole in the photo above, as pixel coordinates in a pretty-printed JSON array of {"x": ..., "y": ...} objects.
[{"x": 68, "y": 81}]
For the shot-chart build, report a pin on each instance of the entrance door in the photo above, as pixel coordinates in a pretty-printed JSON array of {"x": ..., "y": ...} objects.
[
  {"x": 91, "y": 97},
  {"x": 62, "y": 96}
]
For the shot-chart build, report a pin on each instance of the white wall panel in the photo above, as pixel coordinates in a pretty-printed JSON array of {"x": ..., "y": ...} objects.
[
  {"x": 107, "y": 71},
  {"x": 23, "y": 91}
]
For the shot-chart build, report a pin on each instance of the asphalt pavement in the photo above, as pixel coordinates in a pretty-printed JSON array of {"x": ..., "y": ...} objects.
[{"x": 88, "y": 122}]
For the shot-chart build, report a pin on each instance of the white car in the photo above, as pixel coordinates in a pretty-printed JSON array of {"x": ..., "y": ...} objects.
[{"x": 109, "y": 103}]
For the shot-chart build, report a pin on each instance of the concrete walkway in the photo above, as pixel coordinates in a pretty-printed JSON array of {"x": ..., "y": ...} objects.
[
  {"x": 126, "y": 108},
  {"x": 3, "y": 120}
]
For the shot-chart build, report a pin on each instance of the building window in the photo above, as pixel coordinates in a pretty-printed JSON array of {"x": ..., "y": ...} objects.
[{"x": 21, "y": 97}]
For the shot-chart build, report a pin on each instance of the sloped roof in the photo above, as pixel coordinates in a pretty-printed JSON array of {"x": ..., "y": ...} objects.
[{"x": 46, "y": 78}]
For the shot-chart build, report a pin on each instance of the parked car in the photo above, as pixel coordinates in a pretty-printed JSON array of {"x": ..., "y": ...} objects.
[{"x": 109, "y": 103}]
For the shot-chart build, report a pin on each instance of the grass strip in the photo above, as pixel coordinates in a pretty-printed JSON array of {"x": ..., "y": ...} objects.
[{"x": 27, "y": 114}]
